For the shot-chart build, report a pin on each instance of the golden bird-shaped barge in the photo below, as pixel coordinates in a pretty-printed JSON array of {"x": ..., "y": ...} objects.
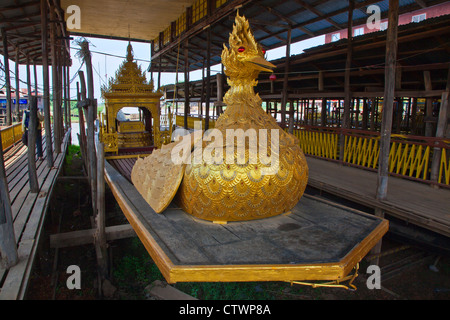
[{"x": 242, "y": 189}]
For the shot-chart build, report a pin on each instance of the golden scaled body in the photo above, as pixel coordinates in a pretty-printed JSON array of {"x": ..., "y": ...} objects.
[{"x": 245, "y": 190}]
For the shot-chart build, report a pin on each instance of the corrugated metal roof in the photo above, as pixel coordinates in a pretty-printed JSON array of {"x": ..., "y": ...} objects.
[{"x": 270, "y": 19}]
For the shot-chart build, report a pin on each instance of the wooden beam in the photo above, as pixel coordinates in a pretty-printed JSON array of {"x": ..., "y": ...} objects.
[{"x": 82, "y": 237}]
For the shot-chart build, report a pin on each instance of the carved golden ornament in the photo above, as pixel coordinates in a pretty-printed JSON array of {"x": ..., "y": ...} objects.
[
  {"x": 235, "y": 191},
  {"x": 110, "y": 141},
  {"x": 157, "y": 178}
]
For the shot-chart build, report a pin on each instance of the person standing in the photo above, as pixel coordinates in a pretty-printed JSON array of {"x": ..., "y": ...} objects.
[{"x": 25, "y": 122}]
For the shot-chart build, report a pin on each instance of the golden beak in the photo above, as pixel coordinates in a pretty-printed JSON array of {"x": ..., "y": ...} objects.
[{"x": 262, "y": 64}]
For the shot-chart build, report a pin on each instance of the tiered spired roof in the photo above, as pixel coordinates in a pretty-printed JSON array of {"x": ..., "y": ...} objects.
[{"x": 129, "y": 79}]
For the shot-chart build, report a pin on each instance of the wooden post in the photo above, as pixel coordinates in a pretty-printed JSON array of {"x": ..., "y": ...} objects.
[
  {"x": 17, "y": 106},
  {"x": 323, "y": 114},
  {"x": 444, "y": 114},
  {"x": 7, "y": 78},
  {"x": 291, "y": 117},
  {"x": 100, "y": 238},
  {"x": 284, "y": 95},
  {"x": 46, "y": 94},
  {"x": 428, "y": 105},
  {"x": 64, "y": 93},
  {"x": 365, "y": 115},
  {"x": 32, "y": 131},
  {"x": 347, "y": 92},
  {"x": 186, "y": 85},
  {"x": 8, "y": 247},
  {"x": 69, "y": 107},
  {"x": 208, "y": 76},
  {"x": 388, "y": 102},
  {"x": 35, "y": 78},
  {"x": 91, "y": 115},
  {"x": 55, "y": 85}
]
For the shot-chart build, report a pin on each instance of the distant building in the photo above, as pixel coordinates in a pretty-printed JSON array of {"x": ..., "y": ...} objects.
[
  {"x": 414, "y": 16},
  {"x": 23, "y": 102}
]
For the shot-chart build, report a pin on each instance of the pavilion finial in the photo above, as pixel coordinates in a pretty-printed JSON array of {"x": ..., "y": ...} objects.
[{"x": 129, "y": 52}]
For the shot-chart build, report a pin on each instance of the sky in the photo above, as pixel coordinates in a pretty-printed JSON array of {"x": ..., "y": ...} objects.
[{"x": 108, "y": 55}]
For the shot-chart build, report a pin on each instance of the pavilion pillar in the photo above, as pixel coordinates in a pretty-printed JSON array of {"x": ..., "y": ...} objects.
[
  {"x": 7, "y": 78},
  {"x": 388, "y": 104},
  {"x": 46, "y": 93}
]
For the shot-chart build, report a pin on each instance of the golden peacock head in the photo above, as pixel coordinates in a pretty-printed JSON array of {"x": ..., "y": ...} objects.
[{"x": 245, "y": 57}]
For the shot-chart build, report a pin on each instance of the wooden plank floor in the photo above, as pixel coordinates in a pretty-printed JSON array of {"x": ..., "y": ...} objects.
[
  {"x": 28, "y": 211},
  {"x": 411, "y": 201}
]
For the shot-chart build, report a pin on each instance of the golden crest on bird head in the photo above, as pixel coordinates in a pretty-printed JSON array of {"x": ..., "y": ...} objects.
[{"x": 259, "y": 170}]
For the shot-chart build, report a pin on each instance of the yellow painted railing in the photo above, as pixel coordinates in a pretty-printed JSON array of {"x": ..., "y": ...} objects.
[
  {"x": 191, "y": 120},
  {"x": 361, "y": 151},
  {"x": 410, "y": 156},
  {"x": 444, "y": 168},
  {"x": 11, "y": 135},
  {"x": 319, "y": 144},
  {"x": 409, "y": 159}
]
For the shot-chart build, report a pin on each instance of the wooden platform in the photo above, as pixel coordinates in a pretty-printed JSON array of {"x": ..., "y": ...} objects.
[
  {"x": 319, "y": 240},
  {"x": 28, "y": 213},
  {"x": 411, "y": 201}
]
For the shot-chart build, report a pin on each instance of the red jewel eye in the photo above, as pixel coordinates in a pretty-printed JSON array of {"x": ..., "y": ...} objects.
[
  {"x": 241, "y": 49},
  {"x": 263, "y": 51}
]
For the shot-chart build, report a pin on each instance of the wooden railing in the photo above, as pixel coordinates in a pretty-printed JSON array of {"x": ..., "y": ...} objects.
[
  {"x": 11, "y": 135},
  {"x": 409, "y": 157}
]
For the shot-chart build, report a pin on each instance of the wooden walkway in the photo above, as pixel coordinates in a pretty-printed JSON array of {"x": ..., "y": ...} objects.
[
  {"x": 411, "y": 201},
  {"x": 28, "y": 211}
]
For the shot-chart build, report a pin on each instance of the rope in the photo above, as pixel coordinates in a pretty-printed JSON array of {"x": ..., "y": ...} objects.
[{"x": 334, "y": 283}]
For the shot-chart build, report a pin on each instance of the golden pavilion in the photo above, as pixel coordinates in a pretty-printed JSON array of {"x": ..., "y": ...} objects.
[{"x": 130, "y": 88}]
